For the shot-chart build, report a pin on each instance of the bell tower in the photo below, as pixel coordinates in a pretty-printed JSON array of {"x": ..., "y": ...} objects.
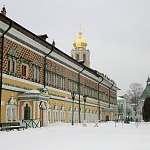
[{"x": 80, "y": 53}]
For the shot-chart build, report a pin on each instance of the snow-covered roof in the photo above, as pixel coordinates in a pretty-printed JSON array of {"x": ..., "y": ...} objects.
[{"x": 33, "y": 92}]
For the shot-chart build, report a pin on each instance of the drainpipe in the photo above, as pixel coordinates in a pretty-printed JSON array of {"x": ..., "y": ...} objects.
[
  {"x": 99, "y": 99},
  {"x": 1, "y": 72},
  {"x": 79, "y": 90},
  {"x": 45, "y": 70},
  {"x": 109, "y": 93},
  {"x": 45, "y": 64}
]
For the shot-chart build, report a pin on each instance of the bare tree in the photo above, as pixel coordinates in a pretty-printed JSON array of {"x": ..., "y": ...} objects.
[{"x": 134, "y": 93}]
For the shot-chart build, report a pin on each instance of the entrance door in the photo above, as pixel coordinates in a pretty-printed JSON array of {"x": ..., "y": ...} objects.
[
  {"x": 107, "y": 118},
  {"x": 43, "y": 117}
]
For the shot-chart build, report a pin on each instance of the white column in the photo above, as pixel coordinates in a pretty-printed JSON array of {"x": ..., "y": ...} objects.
[
  {"x": 38, "y": 110},
  {"x": 47, "y": 114},
  {"x": 18, "y": 110},
  {"x": 33, "y": 109}
]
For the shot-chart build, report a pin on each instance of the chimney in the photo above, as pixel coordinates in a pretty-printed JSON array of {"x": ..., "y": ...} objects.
[
  {"x": 44, "y": 36},
  {"x": 53, "y": 43},
  {"x": 3, "y": 11}
]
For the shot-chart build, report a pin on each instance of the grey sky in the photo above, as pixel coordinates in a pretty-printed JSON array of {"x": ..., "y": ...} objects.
[{"x": 117, "y": 32}]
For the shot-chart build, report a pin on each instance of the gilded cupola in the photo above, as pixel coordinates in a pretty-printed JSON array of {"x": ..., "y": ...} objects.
[{"x": 80, "y": 43}]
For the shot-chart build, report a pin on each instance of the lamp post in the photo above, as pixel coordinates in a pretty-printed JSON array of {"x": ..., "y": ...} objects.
[
  {"x": 114, "y": 111},
  {"x": 73, "y": 97},
  {"x": 84, "y": 99}
]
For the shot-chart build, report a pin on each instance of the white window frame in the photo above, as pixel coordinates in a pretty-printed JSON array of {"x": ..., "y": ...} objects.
[
  {"x": 76, "y": 117},
  {"x": 36, "y": 73},
  {"x": 27, "y": 69},
  {"x": 55, "y": 79},
  {"x": 11, "y": 59},
  {"x": 11, "y": 112},
  {"x": 55, "y": 115},
  {"x": 62, "y": 116},
  {"x": 62, "y": 82},
  {"x": 70, "y": 115}
]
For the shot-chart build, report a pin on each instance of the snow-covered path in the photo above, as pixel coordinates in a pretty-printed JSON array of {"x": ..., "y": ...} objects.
[{"x": 62, "y": 136}]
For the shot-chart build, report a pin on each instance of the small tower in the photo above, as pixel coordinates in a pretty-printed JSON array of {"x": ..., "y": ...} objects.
[
  {"x": 80, "y": 53},
  {"x": 146, "y": 91},
  {"x": 3, "y": 11},
  {"x": 148, "y": 81}
]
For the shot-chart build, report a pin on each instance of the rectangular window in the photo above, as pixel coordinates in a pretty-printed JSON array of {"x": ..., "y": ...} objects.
[
  {"x": 70, "y": 85},
  {"x": 85, "y": 90},
  {"x": 84, "y": 57},
  {"x": 55, "y": 80},
  {"x": 55, "y": 115},
  {"x": 47, "y": 77},
  {"x": 11, "y": 65},
  {"x": 76, "y": 116},
  {"x": 106, "y": 98},
  {"x": 62, "y": 115},
  {"x": 93, "y": 93},
  {"x": 62, "y": 82},
  {"x": 70, "y": 116},
  {"x": 36, "y": 73},
  {"x": 9, "y": 62},
  {"x": 24, "y": 70},
  {"x": 75, "y": 86}
]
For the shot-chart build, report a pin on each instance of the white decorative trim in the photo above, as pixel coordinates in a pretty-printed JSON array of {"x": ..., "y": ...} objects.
[
  {"x": 13, "y": 88},
  {"x": 21, "y": 80},
  {"x": 12, "y": 114}
]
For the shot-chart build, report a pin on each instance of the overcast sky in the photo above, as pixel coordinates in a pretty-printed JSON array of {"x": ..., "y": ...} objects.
[{"x": 117, "y": 32}]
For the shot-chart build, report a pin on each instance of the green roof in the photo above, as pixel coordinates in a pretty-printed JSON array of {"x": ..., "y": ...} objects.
[{"x": 146, "y": 91}]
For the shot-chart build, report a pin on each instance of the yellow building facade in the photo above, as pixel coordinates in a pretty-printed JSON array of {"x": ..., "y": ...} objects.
[{"x": 37, "y": 80}]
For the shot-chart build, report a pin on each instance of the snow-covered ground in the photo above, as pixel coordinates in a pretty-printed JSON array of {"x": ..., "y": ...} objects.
[{"x": 62, "y": 136}]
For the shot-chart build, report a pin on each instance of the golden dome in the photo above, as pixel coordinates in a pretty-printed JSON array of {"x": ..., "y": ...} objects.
[{"x": 80, "y": 43}]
